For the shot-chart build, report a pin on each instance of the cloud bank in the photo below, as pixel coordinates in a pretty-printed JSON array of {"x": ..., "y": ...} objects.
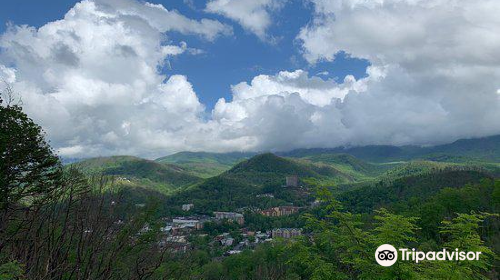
[
  {"x": 92, "y": 79},
  {"x": 440, "y": 61}
]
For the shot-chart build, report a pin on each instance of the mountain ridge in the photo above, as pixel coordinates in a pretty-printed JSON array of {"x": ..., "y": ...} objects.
[{"x": 483, "y": 148}]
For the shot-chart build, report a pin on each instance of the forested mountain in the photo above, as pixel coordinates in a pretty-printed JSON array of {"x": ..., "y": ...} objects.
[
  {"x": 417, "y": 187},
  {"x": 487, "y": 148},
  {"x": 271, "y": 169},
  {"x": 205, "y": 164},
  {"x": 479, "y": 149},
  {"x": 134, "y": 171},
  {"x": 265, "y": 173}
]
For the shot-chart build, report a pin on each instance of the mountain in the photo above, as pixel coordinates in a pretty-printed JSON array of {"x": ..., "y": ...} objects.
[
  {"x": 350, "y": 164},
  {"x": 368, "y": 153},
  {"x": 203, "y": 164},
  {"x": 485, "y": 149},
  {"x": 271, "y": 169},
  {"x": 139, "y": 172},
  {"x": 264, "y": 173},
  {"x": 413, "y": 186},
  {"x": 414, "y": 168}
]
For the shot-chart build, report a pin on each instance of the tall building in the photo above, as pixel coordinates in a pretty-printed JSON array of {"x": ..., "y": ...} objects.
[{"x": 292, "y": 181}]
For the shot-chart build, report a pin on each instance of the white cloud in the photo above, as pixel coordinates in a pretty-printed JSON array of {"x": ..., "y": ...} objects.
[
  {"x": 313, "y": 90},
  {"x": 92, "y": 80},
  {"x": 441, "y": 61},
  {"x": 285, "y": 111},
  {"x": 253, "y": 15},
  {"x": 163, "y": 20}
]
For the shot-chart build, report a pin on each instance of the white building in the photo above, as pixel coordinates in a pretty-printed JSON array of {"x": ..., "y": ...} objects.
[{"x": 185, "y": 223}]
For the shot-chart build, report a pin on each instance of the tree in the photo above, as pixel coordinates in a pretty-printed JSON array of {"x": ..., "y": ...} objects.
[
  {"x": 29, "y": 170},
  {"x": 398, "y": 231},
  {"x": 462, "y": 234}
]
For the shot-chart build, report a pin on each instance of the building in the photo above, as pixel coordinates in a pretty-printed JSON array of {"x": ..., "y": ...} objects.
[
  {"x": 232, "y": 252},
  {"x": 232, "y": 216},
  {"x": 176, "y": 244},
  {"x": 269, "y": 195},
  {"x": 187, "y": 207},
  {"x": 280, "y": 211},
  {"x": 292, "y": 181},
  {"x": 286, "y": 232},
  {"x": 228, "y": 241},
  {"x": 187, "y": 223},
  {"x": 177, "y": 239}
]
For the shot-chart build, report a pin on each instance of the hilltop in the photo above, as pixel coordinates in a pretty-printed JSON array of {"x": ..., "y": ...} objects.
[
  {"x": 264, "y": 173},
  {"x": 138, "y": 172},
  {"x": 271, "y": 169},
  {"x": 205, "y": 164}
]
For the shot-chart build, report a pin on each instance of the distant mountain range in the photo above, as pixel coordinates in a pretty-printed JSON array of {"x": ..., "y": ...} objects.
[
  {"x": 366, "y": 159},
  {"x": 479, "y": 149},
  {"x": 211, "y": 178}
]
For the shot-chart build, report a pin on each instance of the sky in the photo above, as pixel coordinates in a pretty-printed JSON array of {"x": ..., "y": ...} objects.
[{"x": 108, "y": 77}]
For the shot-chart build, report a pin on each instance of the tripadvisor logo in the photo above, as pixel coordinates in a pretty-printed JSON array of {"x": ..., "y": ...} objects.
[{"x": 387, "y": 255}]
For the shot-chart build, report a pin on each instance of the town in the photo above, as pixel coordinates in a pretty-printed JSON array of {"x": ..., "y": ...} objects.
[{"x": 179, "y": 232}]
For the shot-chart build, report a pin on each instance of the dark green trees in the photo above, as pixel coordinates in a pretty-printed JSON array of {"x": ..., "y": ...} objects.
[{"x": 29, "y": 170}]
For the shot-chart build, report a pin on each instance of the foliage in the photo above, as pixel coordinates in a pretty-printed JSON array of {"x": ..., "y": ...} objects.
[
  {"x": 29, "y": 170},
  {"x": 11, "y": 270},
  {"x": 205, "y": 165},
  {"x": 137, "y": 172}
]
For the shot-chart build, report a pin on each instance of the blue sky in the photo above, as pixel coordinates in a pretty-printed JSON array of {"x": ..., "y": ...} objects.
[
  {"x": 226, "y": 61},
  {"x": 159, "y": 77}
]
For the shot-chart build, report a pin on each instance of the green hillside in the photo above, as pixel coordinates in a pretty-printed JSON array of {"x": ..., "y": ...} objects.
[
  {"x": 133, "y": 171},
  {"x": 359, "y": 169},
  {"x": 264, "y": 173},
  {"x": 367, "y": 153},
  {"x": 271, "y": 169},
  {"x": 485, "y": 149},
  {"x": 414, "y": 168},
  {"x": 204, "y": 164},
  {"x": 413, "y": 186}
]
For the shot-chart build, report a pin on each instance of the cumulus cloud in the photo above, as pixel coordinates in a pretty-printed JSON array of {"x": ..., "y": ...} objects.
[
  {"x": 92, "y": 80},
  {"x": 163, "y": 20},
  {"x": 440, "y": 60},
  {"x": 253, "y": 15},
  {"x": 434, "y": 78},
  {"x": 312, "y": 90},
  {"x": 285, "y": 111}
]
